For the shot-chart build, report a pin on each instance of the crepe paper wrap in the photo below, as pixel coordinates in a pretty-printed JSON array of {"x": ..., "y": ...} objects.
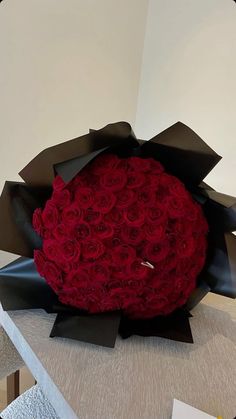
[{"x": 184, "y": 155}]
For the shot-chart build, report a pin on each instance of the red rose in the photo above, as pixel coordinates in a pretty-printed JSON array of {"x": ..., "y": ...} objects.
[
  {"x": 135, "y": 179},
  {"x": 202, "y": 226},
  {"x": 113, "y": 242},
  {"x": 115, "y": 216},
  {"x": 70, "y": 250},
  {"x": 120, "y": 273},
  {"x": 105, "y": 162},
  {"x": 92, "y": 249},
  {"x": 146, "y": 197},
  {"x": 156, "y": 167},
  {"x": 125, "y": 198},
  {"x": 78, "y": 278},
  {"x": 138, "y": 164},
  {"x": 134, "y": 216},
  {"x": 91, "y": 216},
  {"x": 71, "y": 215},
  {"x": 103, "y": 230},
  {"x": 37, "y": 221},
  {"x": 80, "y": 180},
  {"x": 129, "y": 300},
  {"x": 165, "y": 266},
  {"x": 157, "y": 214},
  {"x": 176, "y": 206},
  {"x": 132, "y": 235},
  {"x": 113, "y": 180},
  {"x": 123, "y": 255},
  {"x": 53, "y": 275},
  {"x": 155, "y": 252},
  {"x": 185, "y": 246},
  {"x": 110, "y": 304},
  {"x": 50, "y": 215},
  {"x": 140, "y": 271},
  {"x": 84, "y": 197},
  {"x": 47, "y": 234},
  {"x": 152, "y": 181},
  {"x": 126, "y": 296},
  {"x": 184, "y": 265},
  {"x": 61, "y": 198},
  {"x": 123, "y": 164},
  {"x": 99, "y": 272},
  {"x": 166, "y": 180},
  {"x": 155, "y": 233},
  {"x": 58, "y": 183},
  {"x": 106, "y": 258},
  {"x": 157, "y": 303},
  {"x": 65, "y": 265},
  {"x": 92, "y": 181},
  {"x": 82, "y": 231},
  {"x": 177, "y": 227},
  {"x": 70, "y": 297},
  {"x": 177, "y": 188},
  {"x": 104, "y": 202},
  {"x": 40, "y": 260},
  {"x": 50, "y": 248},
  {"x": 193, "y": 211},
  {"x": 61, "y": 232}
]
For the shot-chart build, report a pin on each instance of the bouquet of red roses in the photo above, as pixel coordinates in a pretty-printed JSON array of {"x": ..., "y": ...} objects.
[{"x": 122, "y": 233}]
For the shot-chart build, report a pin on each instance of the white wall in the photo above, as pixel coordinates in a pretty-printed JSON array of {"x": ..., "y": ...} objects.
[
  {"x": 65, "y": 66},
  {"x": 189, "y": 74}
]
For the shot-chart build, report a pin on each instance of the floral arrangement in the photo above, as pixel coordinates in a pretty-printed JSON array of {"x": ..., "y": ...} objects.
[
  {"x": 122, "y": 235},
  {"x": 117, "y": 234}
]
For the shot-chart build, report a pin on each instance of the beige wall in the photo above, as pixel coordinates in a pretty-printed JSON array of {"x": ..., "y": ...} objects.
[
  {"x": 189, "y": 74},
  {"x": 65, "y": 66}
]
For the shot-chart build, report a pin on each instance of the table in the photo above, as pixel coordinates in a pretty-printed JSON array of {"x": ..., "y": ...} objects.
[{"x": 141, "y": 376}]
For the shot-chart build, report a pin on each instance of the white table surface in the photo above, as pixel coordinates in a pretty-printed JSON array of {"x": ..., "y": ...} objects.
[{"x": 140, "y": 377}]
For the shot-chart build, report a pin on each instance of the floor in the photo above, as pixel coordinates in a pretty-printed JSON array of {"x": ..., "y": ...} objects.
[{"x": 26, "y": 381}]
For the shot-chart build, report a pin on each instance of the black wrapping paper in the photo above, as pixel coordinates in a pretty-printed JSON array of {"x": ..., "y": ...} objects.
[
  {"x": 99, "y": 329},
  {"x": 21, "y": 287},
  {"x": 17, "y": 204},
  {"x": 174, "y": 326},
  {"x": 183, "y": 153},
  {"x": 40, "y": 171}
]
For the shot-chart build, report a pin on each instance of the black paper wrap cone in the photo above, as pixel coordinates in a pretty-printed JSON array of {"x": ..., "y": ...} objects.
[{"x": 183, "y": 154}]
